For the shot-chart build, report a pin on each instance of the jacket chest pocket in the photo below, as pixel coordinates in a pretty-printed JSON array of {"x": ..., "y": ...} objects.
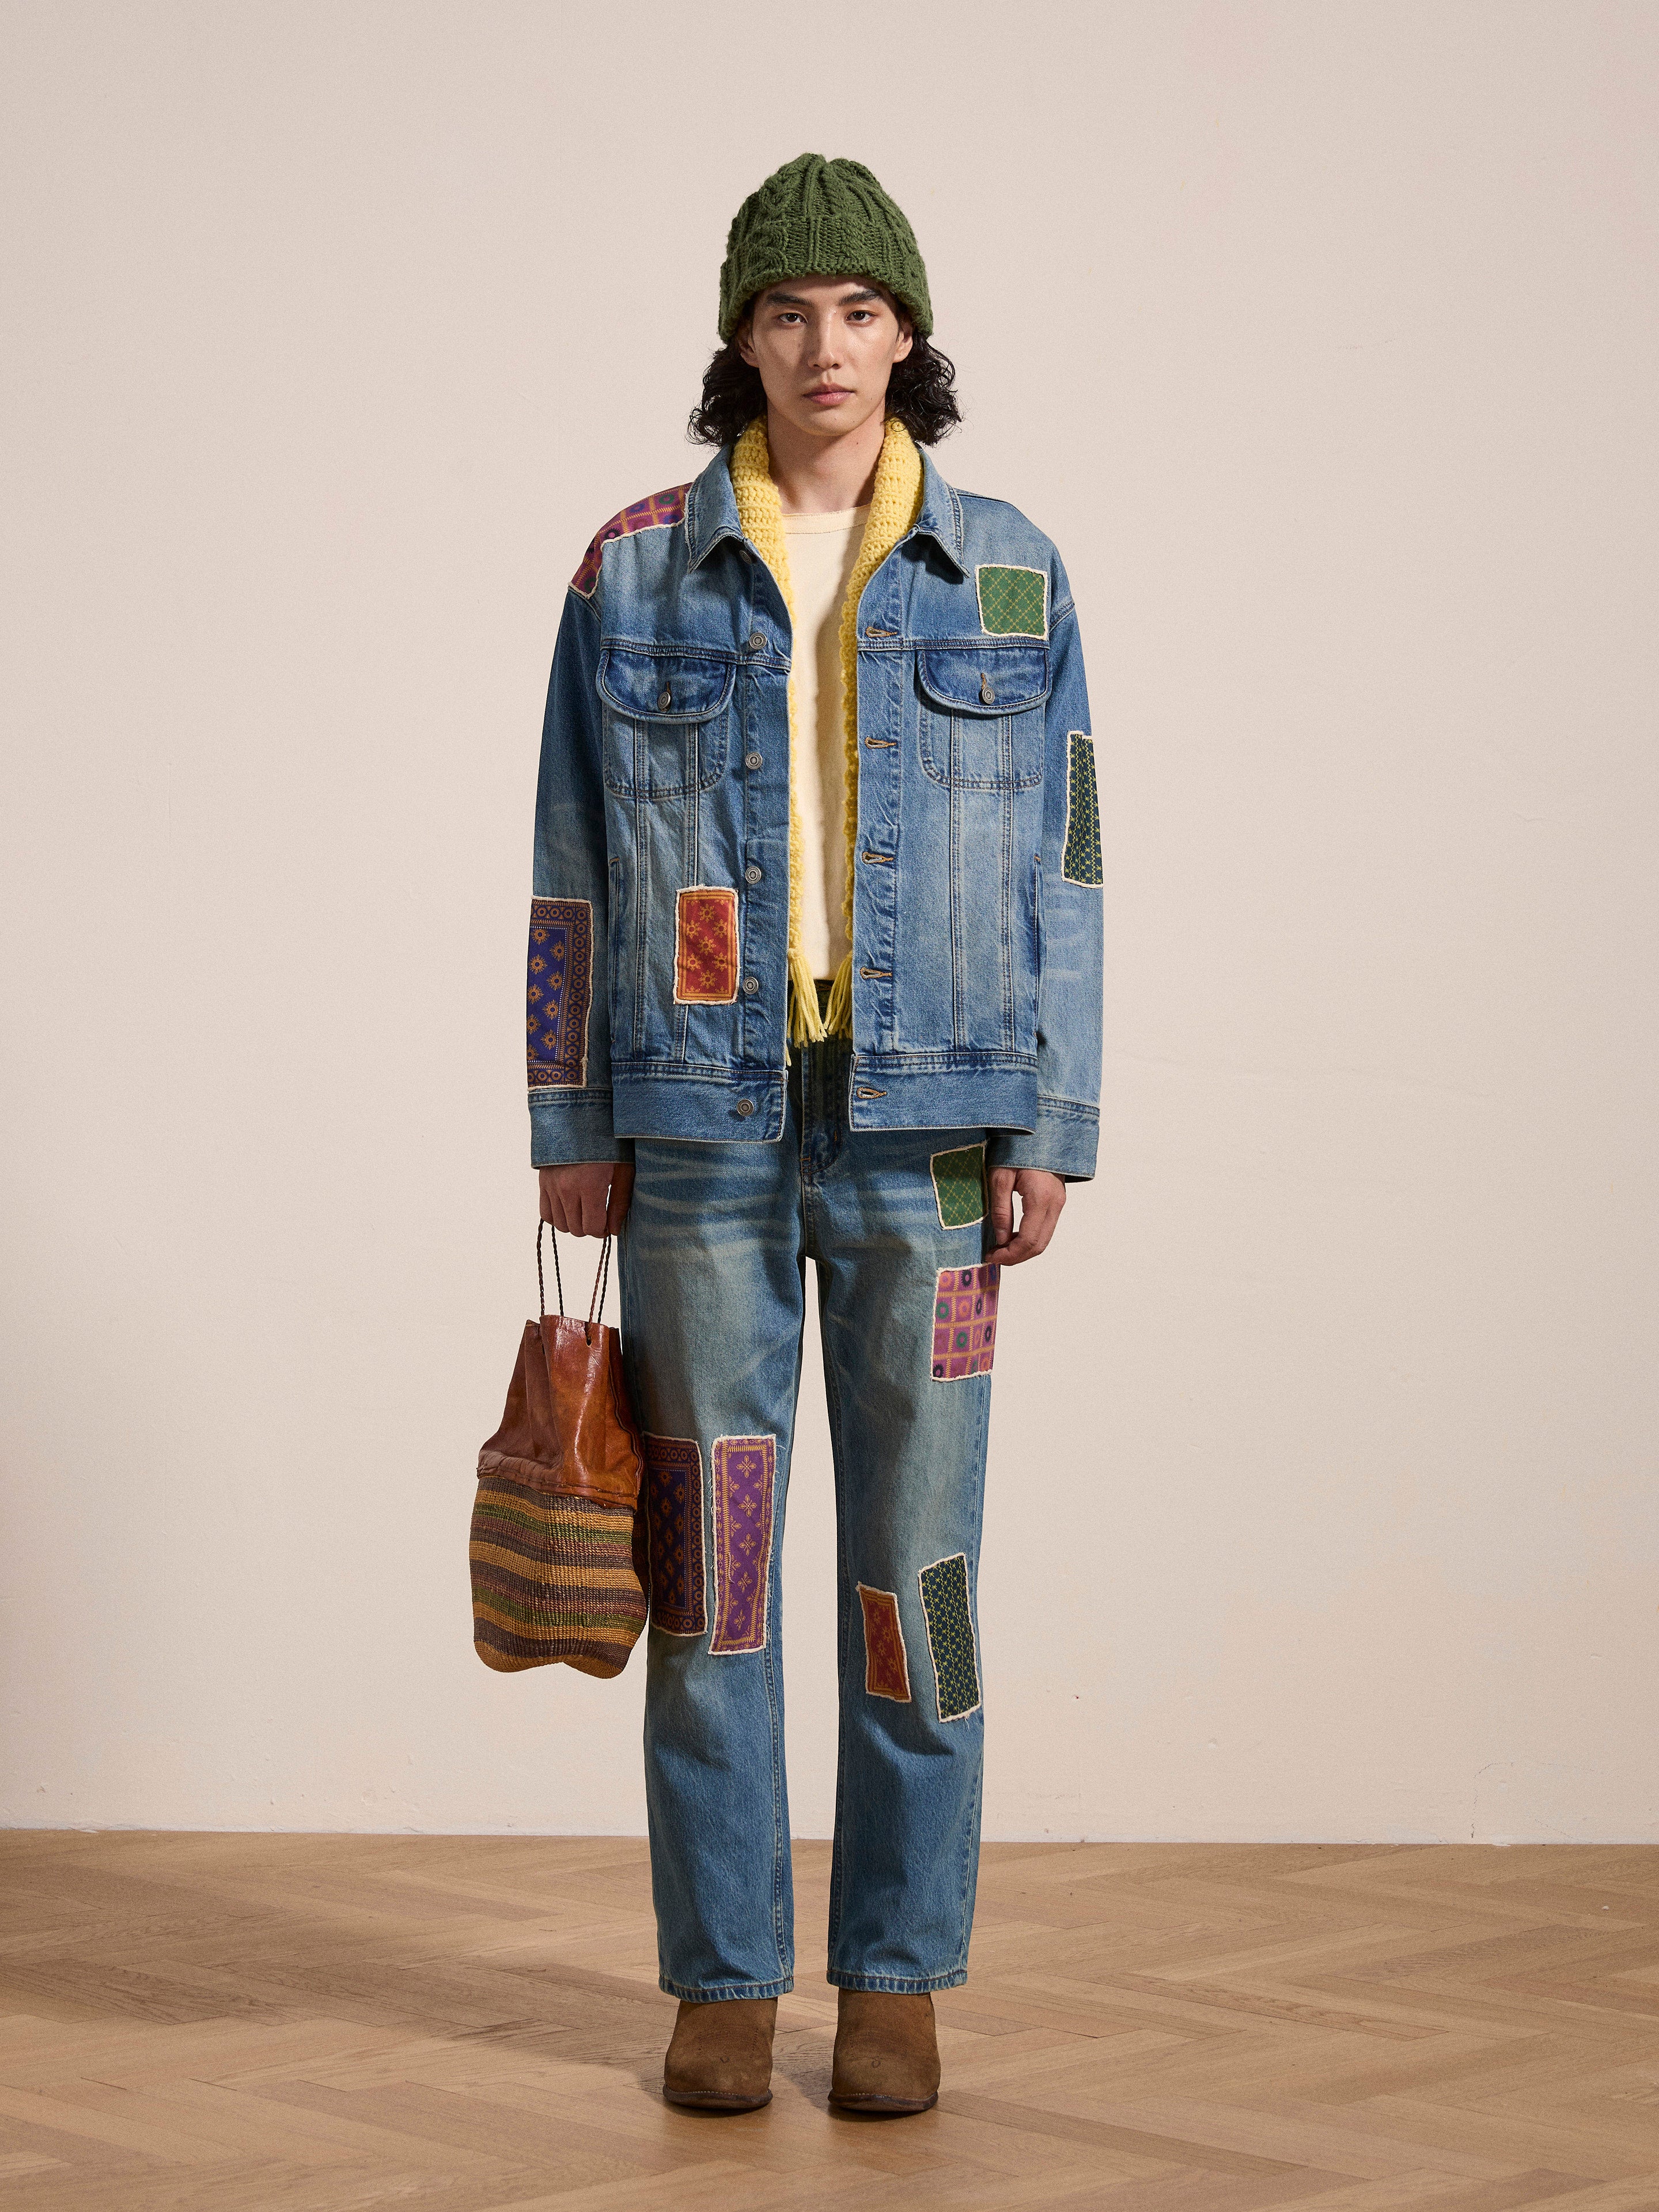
[
  {"x": 979, "y": 714},
  {"x": 667, "y": 712}
]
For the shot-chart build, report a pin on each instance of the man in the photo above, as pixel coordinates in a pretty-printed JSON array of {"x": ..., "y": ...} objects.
[{"x": 815, "y": 972}]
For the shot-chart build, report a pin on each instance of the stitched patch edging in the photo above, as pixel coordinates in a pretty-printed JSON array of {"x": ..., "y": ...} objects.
[
  {"x": 662, "y": 510},
  {"x": 950, "y": 1640},
  {"x": 965, "y": 1321},
  {"x": 887, "y": 1663},
  {"x": 1080, "y": 858},
  {"x": 705, "y": 945},
  {"x": 745, "y": 1470},
  {"x": 558, "y": 992},
  {"x": 674, "y": 1521},
  {"x": 1008, "y": 607},
  {"x": 959, "y": 1186}
]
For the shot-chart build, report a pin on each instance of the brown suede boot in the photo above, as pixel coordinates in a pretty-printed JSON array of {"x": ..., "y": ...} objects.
[
  {"x": 886, "y": 2054},
  {"x": 720, "y": 2055}
]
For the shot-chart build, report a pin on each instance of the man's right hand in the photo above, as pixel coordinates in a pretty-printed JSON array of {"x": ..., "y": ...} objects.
[{"x": 588, "y": 1200}]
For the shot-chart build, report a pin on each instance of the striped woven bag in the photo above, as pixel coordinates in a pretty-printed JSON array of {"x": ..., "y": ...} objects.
[{"x": 557, "y": 1540}]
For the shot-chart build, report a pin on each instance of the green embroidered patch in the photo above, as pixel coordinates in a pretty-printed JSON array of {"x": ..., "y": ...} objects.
[
  {"x": 959, "y": 1186},
  {"x": 950, "y": 1635},
  {"x": 1013, "y": 602},
  {"x": 1081, "y": 860}
]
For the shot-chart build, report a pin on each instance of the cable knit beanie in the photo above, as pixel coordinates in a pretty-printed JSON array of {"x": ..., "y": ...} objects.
[{"x": 819, "y": 218}]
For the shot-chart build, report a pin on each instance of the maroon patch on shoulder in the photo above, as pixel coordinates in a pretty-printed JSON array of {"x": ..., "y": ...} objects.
[{"x": 660, "y": 512}]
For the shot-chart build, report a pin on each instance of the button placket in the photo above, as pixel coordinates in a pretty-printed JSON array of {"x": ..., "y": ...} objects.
[{"x": 883, "y": 678}]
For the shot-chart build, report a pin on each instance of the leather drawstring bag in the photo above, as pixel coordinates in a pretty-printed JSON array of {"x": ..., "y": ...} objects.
[{"x": 557, "y": 1540}]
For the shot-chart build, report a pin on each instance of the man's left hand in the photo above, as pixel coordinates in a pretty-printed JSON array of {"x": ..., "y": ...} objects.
[{"x": 1041, "y": 1197}]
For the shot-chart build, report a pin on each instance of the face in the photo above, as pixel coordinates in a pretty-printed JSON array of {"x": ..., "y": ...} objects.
[{"x": 824, "y": 347}]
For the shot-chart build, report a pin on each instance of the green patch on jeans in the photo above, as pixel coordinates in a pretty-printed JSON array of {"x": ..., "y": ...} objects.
[
  {"x": 950, "y": 1635},
  {"x": 959, "y": 1186}
]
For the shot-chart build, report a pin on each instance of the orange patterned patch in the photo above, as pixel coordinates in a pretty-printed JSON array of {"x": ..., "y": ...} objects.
[
  {"x": 705, "y": 947},
  {"x": 887, "y": 1672}
]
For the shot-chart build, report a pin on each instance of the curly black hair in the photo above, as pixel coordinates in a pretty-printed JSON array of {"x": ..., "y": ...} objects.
[{"x": 921, "y": 392}]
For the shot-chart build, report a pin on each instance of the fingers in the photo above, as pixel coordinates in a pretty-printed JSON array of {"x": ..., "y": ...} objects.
[
  {"x": 622, "y": 1191},
  {"x": 1042, "y": 1197},
  {"x": 582, "y": 1200},
  {"x": 1002, "y": 1207}
]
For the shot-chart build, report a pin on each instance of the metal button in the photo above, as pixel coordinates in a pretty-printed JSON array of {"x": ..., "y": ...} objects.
[
  {"x": 985, "y": 692},
  {"x": 750, "y": 985},
  {"x": 744, "y": 1108},
  {"x": 664, "y": 699},
  {"x": 751, "y": 875},
  {"x": 757, "y": 641},
  {"x": 751, "y": 760}
]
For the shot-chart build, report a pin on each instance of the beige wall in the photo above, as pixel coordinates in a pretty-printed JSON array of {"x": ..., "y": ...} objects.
[{"x": 1321, "y": 336}]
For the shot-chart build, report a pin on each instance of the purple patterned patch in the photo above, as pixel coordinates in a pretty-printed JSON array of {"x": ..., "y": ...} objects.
[
  {"x": 559, "y": 990},
  {"x": 673, "y": 1513},
  {"x": 661, "y": 511},
  {"x": 964, "y": 1321},
  {"x": 744, "y": 1468}
]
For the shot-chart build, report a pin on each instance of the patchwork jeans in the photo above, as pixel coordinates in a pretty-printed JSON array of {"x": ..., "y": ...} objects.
[{"x": 713, "y": 1267}]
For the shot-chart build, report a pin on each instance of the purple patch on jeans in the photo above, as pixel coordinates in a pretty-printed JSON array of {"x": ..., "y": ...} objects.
[
  {"x": 744, "y": 1468},
  {"x": 674, "y": 1516}
]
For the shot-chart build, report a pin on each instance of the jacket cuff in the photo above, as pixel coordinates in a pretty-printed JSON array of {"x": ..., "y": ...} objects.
[
  {"x": 571, "y": 1129},
  {"x": 1063, "y": 1142}
]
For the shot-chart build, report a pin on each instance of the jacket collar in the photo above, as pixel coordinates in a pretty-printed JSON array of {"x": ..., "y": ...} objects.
[
  {"x": 941, "y": 517},
  {"x": 711, "y": 512}
]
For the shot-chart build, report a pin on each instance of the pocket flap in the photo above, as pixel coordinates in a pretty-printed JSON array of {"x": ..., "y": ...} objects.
[
  {"x": 984, "y": 679},
  {"x": 664, "y": 686}
]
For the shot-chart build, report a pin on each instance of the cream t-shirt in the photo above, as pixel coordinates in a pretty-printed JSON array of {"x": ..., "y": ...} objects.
[{"x": 822, "y": 550}]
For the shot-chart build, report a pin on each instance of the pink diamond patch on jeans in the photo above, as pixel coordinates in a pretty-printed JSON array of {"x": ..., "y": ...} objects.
[{"x": 964, "y": 1321}]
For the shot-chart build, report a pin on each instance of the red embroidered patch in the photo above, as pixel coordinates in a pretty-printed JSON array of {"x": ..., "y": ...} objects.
[
  {"x": 660, "y": 512},
  {"x": 887, "y": 1669},
  {"x": 706, "y": 946}
]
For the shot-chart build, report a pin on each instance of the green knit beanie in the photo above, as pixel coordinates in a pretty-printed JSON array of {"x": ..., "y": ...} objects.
[{"x": 819, "y": 218}]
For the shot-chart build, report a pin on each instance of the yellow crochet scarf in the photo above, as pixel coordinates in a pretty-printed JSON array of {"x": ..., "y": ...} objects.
[{"x": 895, "y": 500}]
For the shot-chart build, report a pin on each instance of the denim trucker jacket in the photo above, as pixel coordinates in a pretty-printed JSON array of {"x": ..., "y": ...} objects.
[{"x": 659, "y": 918}]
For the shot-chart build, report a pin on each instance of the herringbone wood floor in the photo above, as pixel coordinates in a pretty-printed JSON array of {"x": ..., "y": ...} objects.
[{"x": 220, "y": 2023}]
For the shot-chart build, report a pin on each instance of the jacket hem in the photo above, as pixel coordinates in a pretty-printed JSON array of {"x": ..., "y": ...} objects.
[
  {"x": 931, "y": 1092},
  {"x": 732, "y": 1106}
]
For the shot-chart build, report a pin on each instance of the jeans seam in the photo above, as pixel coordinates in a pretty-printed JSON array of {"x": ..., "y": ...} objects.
[
  {"x": 971, "y": 1832},
  {"x": 832, "y": 1399}
]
